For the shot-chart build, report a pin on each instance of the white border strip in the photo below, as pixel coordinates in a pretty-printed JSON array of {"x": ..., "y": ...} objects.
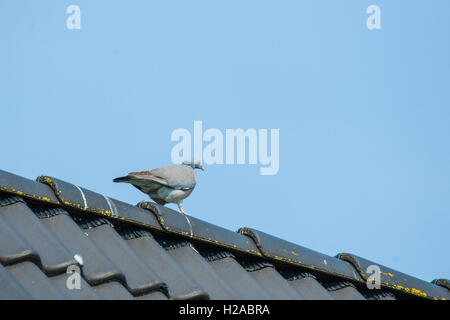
[
  {"x": 112, "y": 206},
  {"x": 190, "y": 225},
  {"x": 84, "y": 197}
]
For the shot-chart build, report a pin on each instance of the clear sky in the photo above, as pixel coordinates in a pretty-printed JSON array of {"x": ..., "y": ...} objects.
[{"x": 363, "y": 114}]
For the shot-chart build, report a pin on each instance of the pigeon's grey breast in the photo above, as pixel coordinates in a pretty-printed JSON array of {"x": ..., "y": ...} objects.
[{"x": 177, "y": 176}]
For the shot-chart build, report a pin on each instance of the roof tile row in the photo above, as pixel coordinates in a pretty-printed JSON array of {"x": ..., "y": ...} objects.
[{"x": 152, "y": 252}]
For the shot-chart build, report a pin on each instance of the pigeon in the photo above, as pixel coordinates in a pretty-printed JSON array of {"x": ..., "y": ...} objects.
[{"x": 169, "y": 184}]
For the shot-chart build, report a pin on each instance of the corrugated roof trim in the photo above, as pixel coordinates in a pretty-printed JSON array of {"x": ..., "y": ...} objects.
[
  {"x": 378, "y": 295},
  {"x": 254, "y": 264},
  {"x": 90, "y": 222},
  {"x": 213, "y": 255},
  {"x": 43, "y": 212},
  {"x": 128, "y": 233},
  {"x": 170, "y": 244},
  {"x": 292, "y": 274},
  {"x": 336, "y": 285},
  {"x": 8, "y": 199}
]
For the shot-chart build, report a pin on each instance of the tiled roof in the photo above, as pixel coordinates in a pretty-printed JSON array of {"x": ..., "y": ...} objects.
[{"x": 152, "y": 252}]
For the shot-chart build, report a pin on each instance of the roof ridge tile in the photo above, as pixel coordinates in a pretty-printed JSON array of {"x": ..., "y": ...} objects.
[
  {"x": 14, "y": 184},
  {"x": 399, "y": 281},
  {"x": 281, "y": 250},
  {"x": 79, "y": 198},
  {"x": 445, "y": 283},
  {"x": 191, "y": 227}
]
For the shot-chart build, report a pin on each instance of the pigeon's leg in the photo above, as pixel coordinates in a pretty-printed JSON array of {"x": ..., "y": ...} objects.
[{"x": 180, "y": 206}]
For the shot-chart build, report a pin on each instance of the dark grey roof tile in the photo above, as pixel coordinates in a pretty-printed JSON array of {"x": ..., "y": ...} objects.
[
  {"x": 203, "y": 273},
  {"x": 97, "y": 268},
  {"x": 169, "y": 219},
  {"x": 180, "y": 285},
  {"x": 132, "y": 232},
  {"x": 305, "y": 282},
  {"x": 85, "y": 292},
  {"x": 445, "y": 283},
  {"x": 211, "y": 254},
  {"x": 7, "y": 199},
  {"x": 140, "y": 278},
  {"x": 342, "y": 290},
  {"x": 397, "y": 280},
  {"x": 55, "y": 257},
  {"x": 46, "y": 211},
  {"x": 72, "y": 195},
  {"x": 10, "y": 289},
  {"x": 254, "y": 264},
  {"x": 80, "y": 198},
  {"x": 23, "y": 187},
  {"x": 14, "y": 248},
  {"x": 347, "y": 293},
  {"x": 157, "y": 295},
  {"x": 170, "y": 243},
  {"x": 336, "y": 284},
  {"x": 36, "y": 283},
  {"x": 275, "y": 284},
  {"x": 375, "y": 294},
  {"x": 222, "y": 237},
  {"x": 280, "y": 250},
  {"x": 119, "y": 244},
  {"x": 195, "y": 295},
  {"x": 295, "y": 273},
  {"x": 113, "y": 290},
  {"x": 89, "y": 221},
  {"x": 239, "y": 279},
  {"x": 135, "y": 214},
  {"x": 310, "y": 288},
  {"x": 189, "y": 226}
]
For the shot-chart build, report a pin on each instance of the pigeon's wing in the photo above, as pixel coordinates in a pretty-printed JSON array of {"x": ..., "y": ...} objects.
[
  {"x": 176, "y": 176},
  {"x": 148, "y": 176},
  {"x": 144, "y": 181}
]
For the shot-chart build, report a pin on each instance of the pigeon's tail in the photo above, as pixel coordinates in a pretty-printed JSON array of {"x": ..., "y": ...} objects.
[{"x": 122, "y": 179}]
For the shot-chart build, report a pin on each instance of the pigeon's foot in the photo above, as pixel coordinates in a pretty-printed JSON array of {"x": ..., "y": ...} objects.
[
  {"x": 180, "y": 206},
  {"x": 183, "y": 212}
]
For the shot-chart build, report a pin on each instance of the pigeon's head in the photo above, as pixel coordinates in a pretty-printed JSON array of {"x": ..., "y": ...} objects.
[{"x": 194, "y": 163}]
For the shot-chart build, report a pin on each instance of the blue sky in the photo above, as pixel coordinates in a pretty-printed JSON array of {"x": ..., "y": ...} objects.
[{"x": 363, "y": 115}]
